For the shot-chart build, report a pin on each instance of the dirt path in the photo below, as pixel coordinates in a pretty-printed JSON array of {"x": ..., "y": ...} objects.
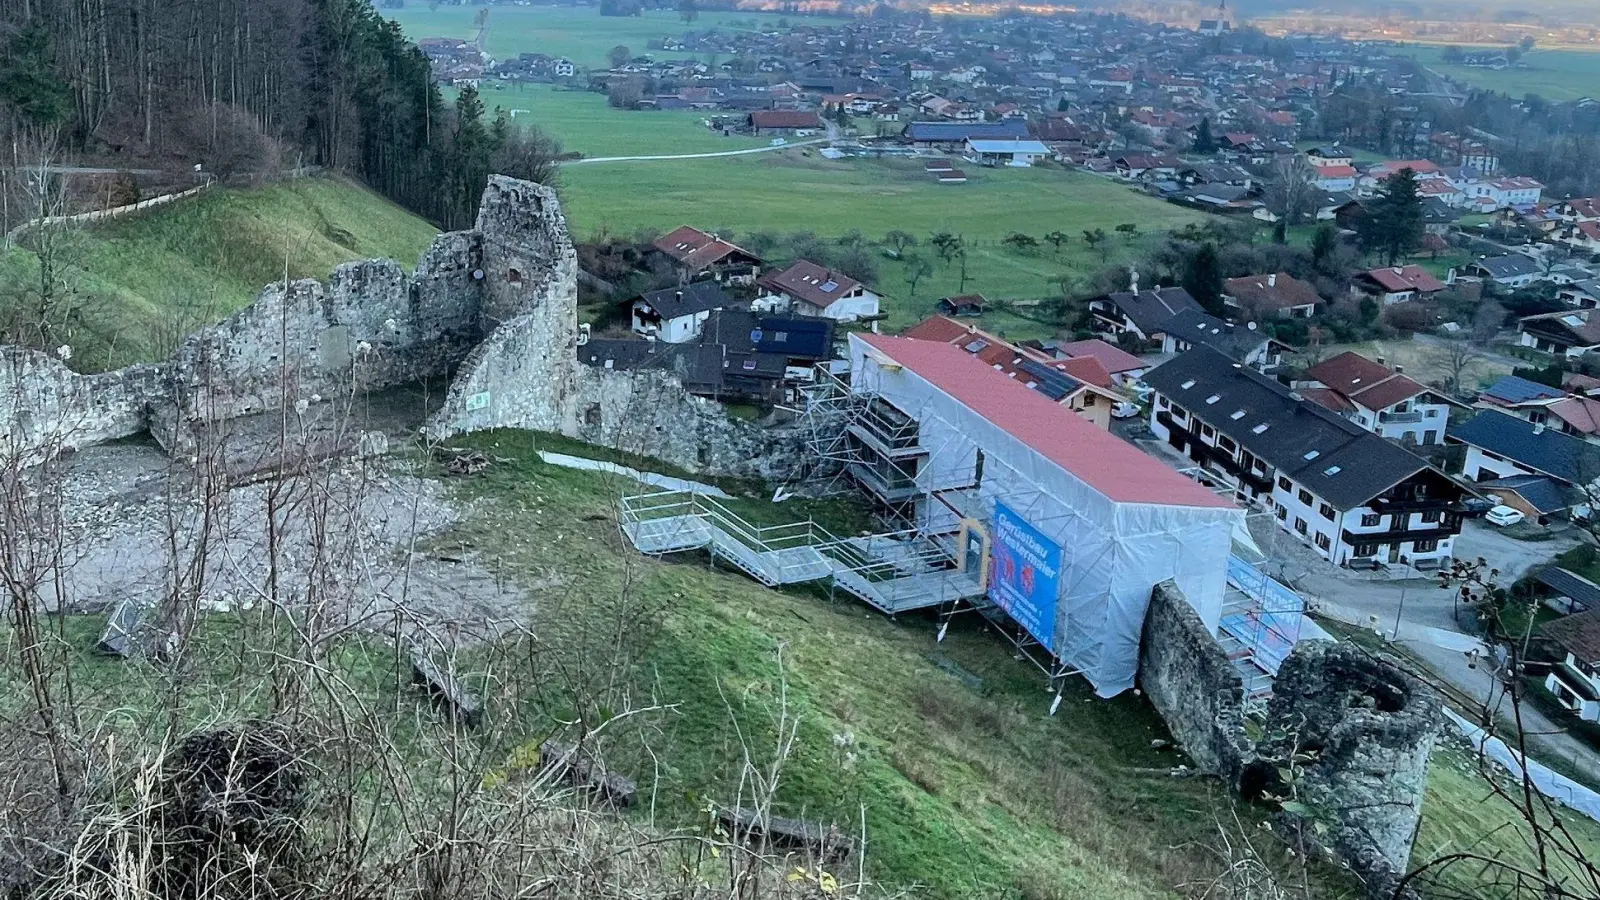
[{"x": 746, "y": 152}]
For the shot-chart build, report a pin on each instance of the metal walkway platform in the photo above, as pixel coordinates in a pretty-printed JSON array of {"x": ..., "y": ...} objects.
[{"x": 893, "y": 573}]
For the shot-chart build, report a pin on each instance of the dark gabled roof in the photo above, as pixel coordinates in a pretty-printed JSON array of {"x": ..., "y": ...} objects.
[
  {"x": 1569, "y": 584},
  {"x": 783, "y": 337},
  {"x": 1050, "y": 382},
  {"x": 957, "y": 132},
  {"x": 1336, "y": 459},
  {"x": 1201, "y": 328},
  {"x": 1513, "y": 389},
  {"x": 1151, "y": 310},
  {"x": 1543, "y": 493},
  {"x": 702, "y": 296},
  {"x": 1531, "y": 446},
  {"x": 1509, "y": 266},
  {"x": 699, "y": 366}
]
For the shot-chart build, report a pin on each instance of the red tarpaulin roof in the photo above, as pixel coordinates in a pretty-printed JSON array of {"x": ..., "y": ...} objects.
[{"x": 1101, "y": 460}]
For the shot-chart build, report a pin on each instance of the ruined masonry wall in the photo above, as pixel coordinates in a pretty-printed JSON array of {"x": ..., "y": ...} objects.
[
  {"x": 526, "y": 374},
  {"x": 1189, "y": 680},
  {"x": 47, "y": 407},
  {"x": 370, "y": 326}
]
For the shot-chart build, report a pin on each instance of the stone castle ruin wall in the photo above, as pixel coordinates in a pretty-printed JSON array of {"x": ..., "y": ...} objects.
[{"x": 494, "y": 308}]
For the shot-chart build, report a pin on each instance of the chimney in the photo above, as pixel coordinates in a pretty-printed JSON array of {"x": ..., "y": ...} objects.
[
  {"x": 1382, "y": 361},
  {"x": 1272, "y": 280},
  {"x": 1398, "y": 270},
  {"x": 1399, "y": 369},
  {"x": 1538, "y": 428},
  {"x": 1133, "y": 280}
]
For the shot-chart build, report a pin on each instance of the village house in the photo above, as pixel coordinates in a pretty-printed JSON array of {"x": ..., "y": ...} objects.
[
  {"x": 1547, "y": 472},
  {"x": 1125, "y": 368},
  {"x": 808, "y": 289},
  {"x": 1278, "y": 295},
  {"x": 1582, "y": 294},
  {"x": 696, "y": 254},
  {"x": 1513, "y": 270},
  {"x": 1568, "y": 409},
  {"x": 675, "y": 315},
  {"x": 1396, "y": 284},
  {"x": 1569, "y": 333},
  {"x": 964, "y": 305},
  {"x": 1575, "y": 681},
  {"x": 1350, "y": 495},
  {"x": 1382, "y": 400},
  {"x": 1006, "y": 153},
  {"x": 786, "y": 122},
  {"x": 1169, "y": 320}
]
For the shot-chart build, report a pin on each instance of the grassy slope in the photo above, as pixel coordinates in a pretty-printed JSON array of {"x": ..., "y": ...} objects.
[
  {"x": 578, "y": 33},
  {"x": 968, "y": 791},
  {"x": 585, "y": 123},
  {"x": 207, "y": 256},
  {"x": 1557, "y": 75}
]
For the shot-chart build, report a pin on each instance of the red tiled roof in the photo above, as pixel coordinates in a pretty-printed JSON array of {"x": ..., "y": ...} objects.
[
  {"x": 1405, "y": 278},
  {"x": 938, "y": 328},
  {"x": 999, "y": 353},
  {"x": 1582, "y": 413},
  {"x": 811, "y": 283},
  {"x": 1328, "y": 399},
  {"x": 1363, "y": 381},
  {"x": 1336, "y": 172},
  {"x": 1278, "y": 291},
  {"x": 1115, "y": 360},
  {"x": 1106, "y": 463},
  {"x": 784, "y": 118}
]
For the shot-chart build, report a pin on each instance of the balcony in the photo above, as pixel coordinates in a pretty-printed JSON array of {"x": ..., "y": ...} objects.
[
  {"x": 1400, "y": 536},
  {"x": 1420, "y": 504},
  {"x": 1405, "y": 418},
  {"x": 1208, "y": 454}
]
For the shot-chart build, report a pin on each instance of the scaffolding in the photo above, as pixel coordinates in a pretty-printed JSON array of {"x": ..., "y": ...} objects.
[{"x": 894, "y": 572}]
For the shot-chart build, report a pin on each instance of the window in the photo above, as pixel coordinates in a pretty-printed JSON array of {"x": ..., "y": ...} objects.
[
  {"x": 1430, "y": 517},
  {"x": 1300, "y": 525},
  {"x": 1207, "y": 432},
  {"x": 1322, "y": 541},
  {"x": 1371, "y": 520},
  {"x": 1088, "y": 399},
  {"x": 1305, "y": 496},
  {"x": 1366, "y": 550},
  {"x": 1283, "y": 514},
  {"x": 780, "y": 337},
  {"x": 1226, "y": 443},
  {"x": 1261, "y": 429},
  {"x": 1284, "y": 483},
  {"x": 1327, "y": 511},
  {"x": 1425, "y": 546}
]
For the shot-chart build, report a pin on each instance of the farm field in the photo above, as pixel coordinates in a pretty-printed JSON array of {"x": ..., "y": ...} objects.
[
  {"x": 794, "y": 191},
  {"x": 584, "y": 122},
  {"x": 580, "y": 34},
  {"x": 150, "y": 278},
  {"x": 1559, "y": 75}
]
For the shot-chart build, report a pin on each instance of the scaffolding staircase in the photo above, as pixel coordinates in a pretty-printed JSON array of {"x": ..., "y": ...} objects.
[
  {"x": 894, "y": 573},
  {"x": 1260, "y": 625}
]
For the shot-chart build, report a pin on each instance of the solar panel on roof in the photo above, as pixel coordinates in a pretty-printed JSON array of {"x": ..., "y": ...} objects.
[{"x": 975, "y": 346}]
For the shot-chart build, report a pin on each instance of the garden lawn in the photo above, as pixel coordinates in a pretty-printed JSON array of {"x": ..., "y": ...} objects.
[
  {"x": 1558, "y": 75},
  {"x": 798, "y": 191},
  {"x": 579, "y": 33},
  {"x": 585, "y": 123}
]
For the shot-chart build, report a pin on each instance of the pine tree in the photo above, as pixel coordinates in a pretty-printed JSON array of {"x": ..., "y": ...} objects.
[
  {"x": 1204, "y": 143},
  {"x": 1202, "y": 278},
  {"x": 1393, "y": 225}
]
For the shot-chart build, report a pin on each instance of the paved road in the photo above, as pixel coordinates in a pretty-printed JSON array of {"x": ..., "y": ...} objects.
[{"x": 772, "y": 149}]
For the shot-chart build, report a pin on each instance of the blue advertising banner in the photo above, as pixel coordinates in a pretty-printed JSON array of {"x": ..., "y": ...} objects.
[{"x": 1024, "y": 574}]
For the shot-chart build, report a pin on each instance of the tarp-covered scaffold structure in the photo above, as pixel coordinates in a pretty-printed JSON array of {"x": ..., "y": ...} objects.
[{"x": 1074, "y": 526}]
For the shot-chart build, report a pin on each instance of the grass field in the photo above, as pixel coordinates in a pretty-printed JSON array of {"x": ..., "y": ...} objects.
[
  {"x": 585, "y": 123},
  {"x": 794, "y": 191},
  {"x": 580, "y": 34},
  {"x": 1558, "y": 75},
  {"x": 202, "y": 258}
]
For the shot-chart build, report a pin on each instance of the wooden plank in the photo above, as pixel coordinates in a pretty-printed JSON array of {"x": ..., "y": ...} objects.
[
  {"x": 826, "y": 842},
  {"x": 446, "y": 691},
  {"x": 582, "y": 770}
]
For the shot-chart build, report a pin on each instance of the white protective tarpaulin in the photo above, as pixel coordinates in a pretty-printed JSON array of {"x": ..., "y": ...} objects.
[{"x": 1112, "y": 554}]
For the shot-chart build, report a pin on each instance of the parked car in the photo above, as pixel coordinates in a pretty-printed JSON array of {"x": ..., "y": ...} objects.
[
  {"x": 1122, "y": 409},
  {"x": 1143, "y": 391},
  {"x": 1504, "y": 515}
]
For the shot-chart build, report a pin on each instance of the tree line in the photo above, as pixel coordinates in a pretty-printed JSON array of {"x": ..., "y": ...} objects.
[{"x": 253, "y": 86}]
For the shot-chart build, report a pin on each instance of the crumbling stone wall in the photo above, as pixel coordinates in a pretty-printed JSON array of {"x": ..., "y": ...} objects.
[
  {"x": 371, "y": 326},
  {"x": 526, "y": 373},
  {"x": 45, "y": 407},
  {"x": 1369, "y": 727},
  {"x": 1190, "y": 681}
]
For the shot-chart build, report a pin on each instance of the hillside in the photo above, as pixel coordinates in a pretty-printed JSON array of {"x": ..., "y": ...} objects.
[{"x": 147, "y": 279}]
